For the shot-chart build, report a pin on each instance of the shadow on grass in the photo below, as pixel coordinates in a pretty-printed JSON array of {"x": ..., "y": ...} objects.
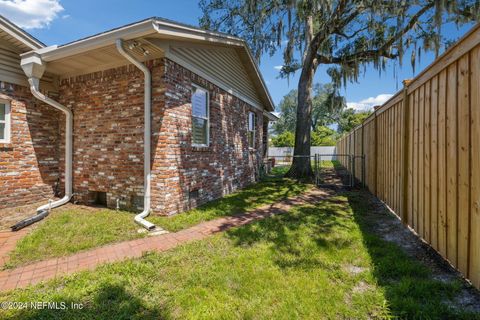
[
  {"x": 271, "y": 189},
  {"x": 293, "y": 235},
  {"x": 329, "y": 233},
  {"x": 409, "y": 286},
  {"x": 108, "y": 302}
]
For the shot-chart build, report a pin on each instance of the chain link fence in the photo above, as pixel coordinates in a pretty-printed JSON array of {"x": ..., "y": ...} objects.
[{"x": 330, "y": 170}]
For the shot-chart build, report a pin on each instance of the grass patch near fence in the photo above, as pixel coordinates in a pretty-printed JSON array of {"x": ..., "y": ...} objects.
[
  {"x": 67, "y": 231},
  {"x": 314, "y": 262}
]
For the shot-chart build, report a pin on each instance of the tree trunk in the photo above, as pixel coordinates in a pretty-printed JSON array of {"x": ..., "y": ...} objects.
[{"x": 301, "y": 167}]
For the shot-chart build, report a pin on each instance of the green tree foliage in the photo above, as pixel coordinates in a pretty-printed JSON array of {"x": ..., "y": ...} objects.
[
  {"x": 349, "y": 119},
  {"x": 285, "y": 139},
  {"x": 327, "y": 105},
  {"x": 323, "y": 136},
  {"x": 288, "y": 114},
  {"x": 347, "y": 35}
]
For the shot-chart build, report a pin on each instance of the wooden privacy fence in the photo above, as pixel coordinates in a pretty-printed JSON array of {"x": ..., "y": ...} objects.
[{"x": 422, "y": 154}]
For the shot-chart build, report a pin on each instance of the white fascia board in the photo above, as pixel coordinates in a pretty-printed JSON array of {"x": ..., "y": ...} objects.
[
  {"x": 20, "y": 35},
  {"x": 99, "y": 41},
  {"x": 183, "y": 31},
  {"x": 146, "y": 27},
  {"x": 270, "y": 116},
  {"x": 214, "y": 37}
]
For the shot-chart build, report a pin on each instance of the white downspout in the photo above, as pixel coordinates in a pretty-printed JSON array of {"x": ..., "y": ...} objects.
[
  {"x": 34, "y": 88},
  {"x": 140, "y": 218}
]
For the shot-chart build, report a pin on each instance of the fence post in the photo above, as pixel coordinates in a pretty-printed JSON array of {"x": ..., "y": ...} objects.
[
  {"x": 405, "y": 143},
  {"x": 375, "y": 153},
  {"x": 362, "y": 153},
  {"x": 363, "y": 171}
]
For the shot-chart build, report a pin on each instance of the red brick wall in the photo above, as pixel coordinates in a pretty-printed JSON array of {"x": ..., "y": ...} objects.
[
  {"x": 186, "y": 176},
  {"x": 29, "y": 164},
  {"x": 108, "y": 133},
  {"x": 108, "y": 139}
]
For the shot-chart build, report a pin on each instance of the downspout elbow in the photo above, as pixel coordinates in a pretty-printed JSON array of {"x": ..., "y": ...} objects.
[
  {"x": 44, "y": 210},
  {"x": 34, "y": 89}
]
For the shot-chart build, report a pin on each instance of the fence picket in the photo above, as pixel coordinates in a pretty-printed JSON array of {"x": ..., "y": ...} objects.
[{"x": 422, "y": 154}]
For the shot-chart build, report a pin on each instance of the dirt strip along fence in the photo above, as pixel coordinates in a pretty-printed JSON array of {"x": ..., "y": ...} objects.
[{"x": 422, "y": 154}]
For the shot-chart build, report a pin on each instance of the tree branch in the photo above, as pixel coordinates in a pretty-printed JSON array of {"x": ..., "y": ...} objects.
[
  {"x": 383, "y": 51},
  {"x": 346, "y": 36},
  {"x": 361, "y": 56},
  {"x": 408, "y": 27}
]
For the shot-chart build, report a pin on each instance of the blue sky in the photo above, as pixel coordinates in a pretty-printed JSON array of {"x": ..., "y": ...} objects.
[{"x": 61, "y": 21}]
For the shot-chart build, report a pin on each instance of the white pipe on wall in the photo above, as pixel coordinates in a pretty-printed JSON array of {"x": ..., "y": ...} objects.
[
  {"x": 34, "y": 88},
  {"x": 140, "y": 218}
]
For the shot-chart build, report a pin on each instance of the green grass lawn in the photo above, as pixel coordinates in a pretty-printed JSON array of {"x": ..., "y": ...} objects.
[
  {"x": 65, "y": 232},
  {"x": 323, "y": 164},
  {"x": 271, "y": 190},
  {"x": 315, "y": 262},
  {"x": 328, "y": 163}
]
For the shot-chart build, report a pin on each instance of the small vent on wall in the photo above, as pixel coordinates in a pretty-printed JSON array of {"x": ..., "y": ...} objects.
[
  {"x": 193, "y": 194},
  {"x": 98, "y": 198},
  {"x": 101, "y": 198},
  {"x": 136, "y": 202}
]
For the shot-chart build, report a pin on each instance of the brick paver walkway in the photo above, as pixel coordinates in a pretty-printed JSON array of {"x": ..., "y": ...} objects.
[
  {"x": 88, "y": 260},
  {"x": 8, "y": 240}
]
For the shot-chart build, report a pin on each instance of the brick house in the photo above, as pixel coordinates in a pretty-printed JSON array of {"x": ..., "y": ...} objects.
[{"x": 78, "y": 120}]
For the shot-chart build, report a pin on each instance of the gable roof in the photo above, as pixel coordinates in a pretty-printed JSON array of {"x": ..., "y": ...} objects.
[
  {"x": 148, "y": 32},
  {"x": 19, "y": 38}
]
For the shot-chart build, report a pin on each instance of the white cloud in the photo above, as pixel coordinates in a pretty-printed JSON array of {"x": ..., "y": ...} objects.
[
  {"x": 31, "y": 14},
  {"x": 367, "y": 104},
  {"x": 278, "y": 68}
]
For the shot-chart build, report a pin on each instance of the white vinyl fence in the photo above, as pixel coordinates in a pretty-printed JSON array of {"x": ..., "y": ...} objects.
[{"x": 287, "y": 152}]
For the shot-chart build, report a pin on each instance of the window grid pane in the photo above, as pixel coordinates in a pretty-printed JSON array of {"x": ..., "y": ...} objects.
[
  {"x": 199, "y": 130},
  {"x": 2, "y": 131},
  {"x": 199, "y": 103},
  {"x": 251, "y": 129},
  {"x": 3, "y": 112},
  {"x": 200, "y": 116},
  {"x": 251, "y": 139}
]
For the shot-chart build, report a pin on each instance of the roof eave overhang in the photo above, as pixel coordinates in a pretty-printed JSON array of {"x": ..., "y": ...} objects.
[
  {"x": 270, "y": 116},
  {"x": 183, "y": 31},
  {"x": 149, "y": 27},
  {"x": 140, "y": 29},
  {"x": 19, "y": 34}
]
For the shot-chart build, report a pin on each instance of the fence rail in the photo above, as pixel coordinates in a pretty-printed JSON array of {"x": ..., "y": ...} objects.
[
  {"x": 288, "y": 151},
  {"x": 422, "y": 154}
]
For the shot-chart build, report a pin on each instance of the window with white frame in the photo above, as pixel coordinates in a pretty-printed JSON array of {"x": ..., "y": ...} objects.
[
  {"x": 200, "y": 117},
  {"x": 252, "y": 123},
  {"x": 4, "y": 121}
]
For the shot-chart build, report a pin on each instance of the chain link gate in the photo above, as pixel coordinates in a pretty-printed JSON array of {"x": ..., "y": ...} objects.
[
  {"x": 330, "y": 170},
  {"x": 338, "y": 172}
]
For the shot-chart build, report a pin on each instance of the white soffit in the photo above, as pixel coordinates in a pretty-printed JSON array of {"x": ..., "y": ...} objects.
[{"x": 61, "y": 60}]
